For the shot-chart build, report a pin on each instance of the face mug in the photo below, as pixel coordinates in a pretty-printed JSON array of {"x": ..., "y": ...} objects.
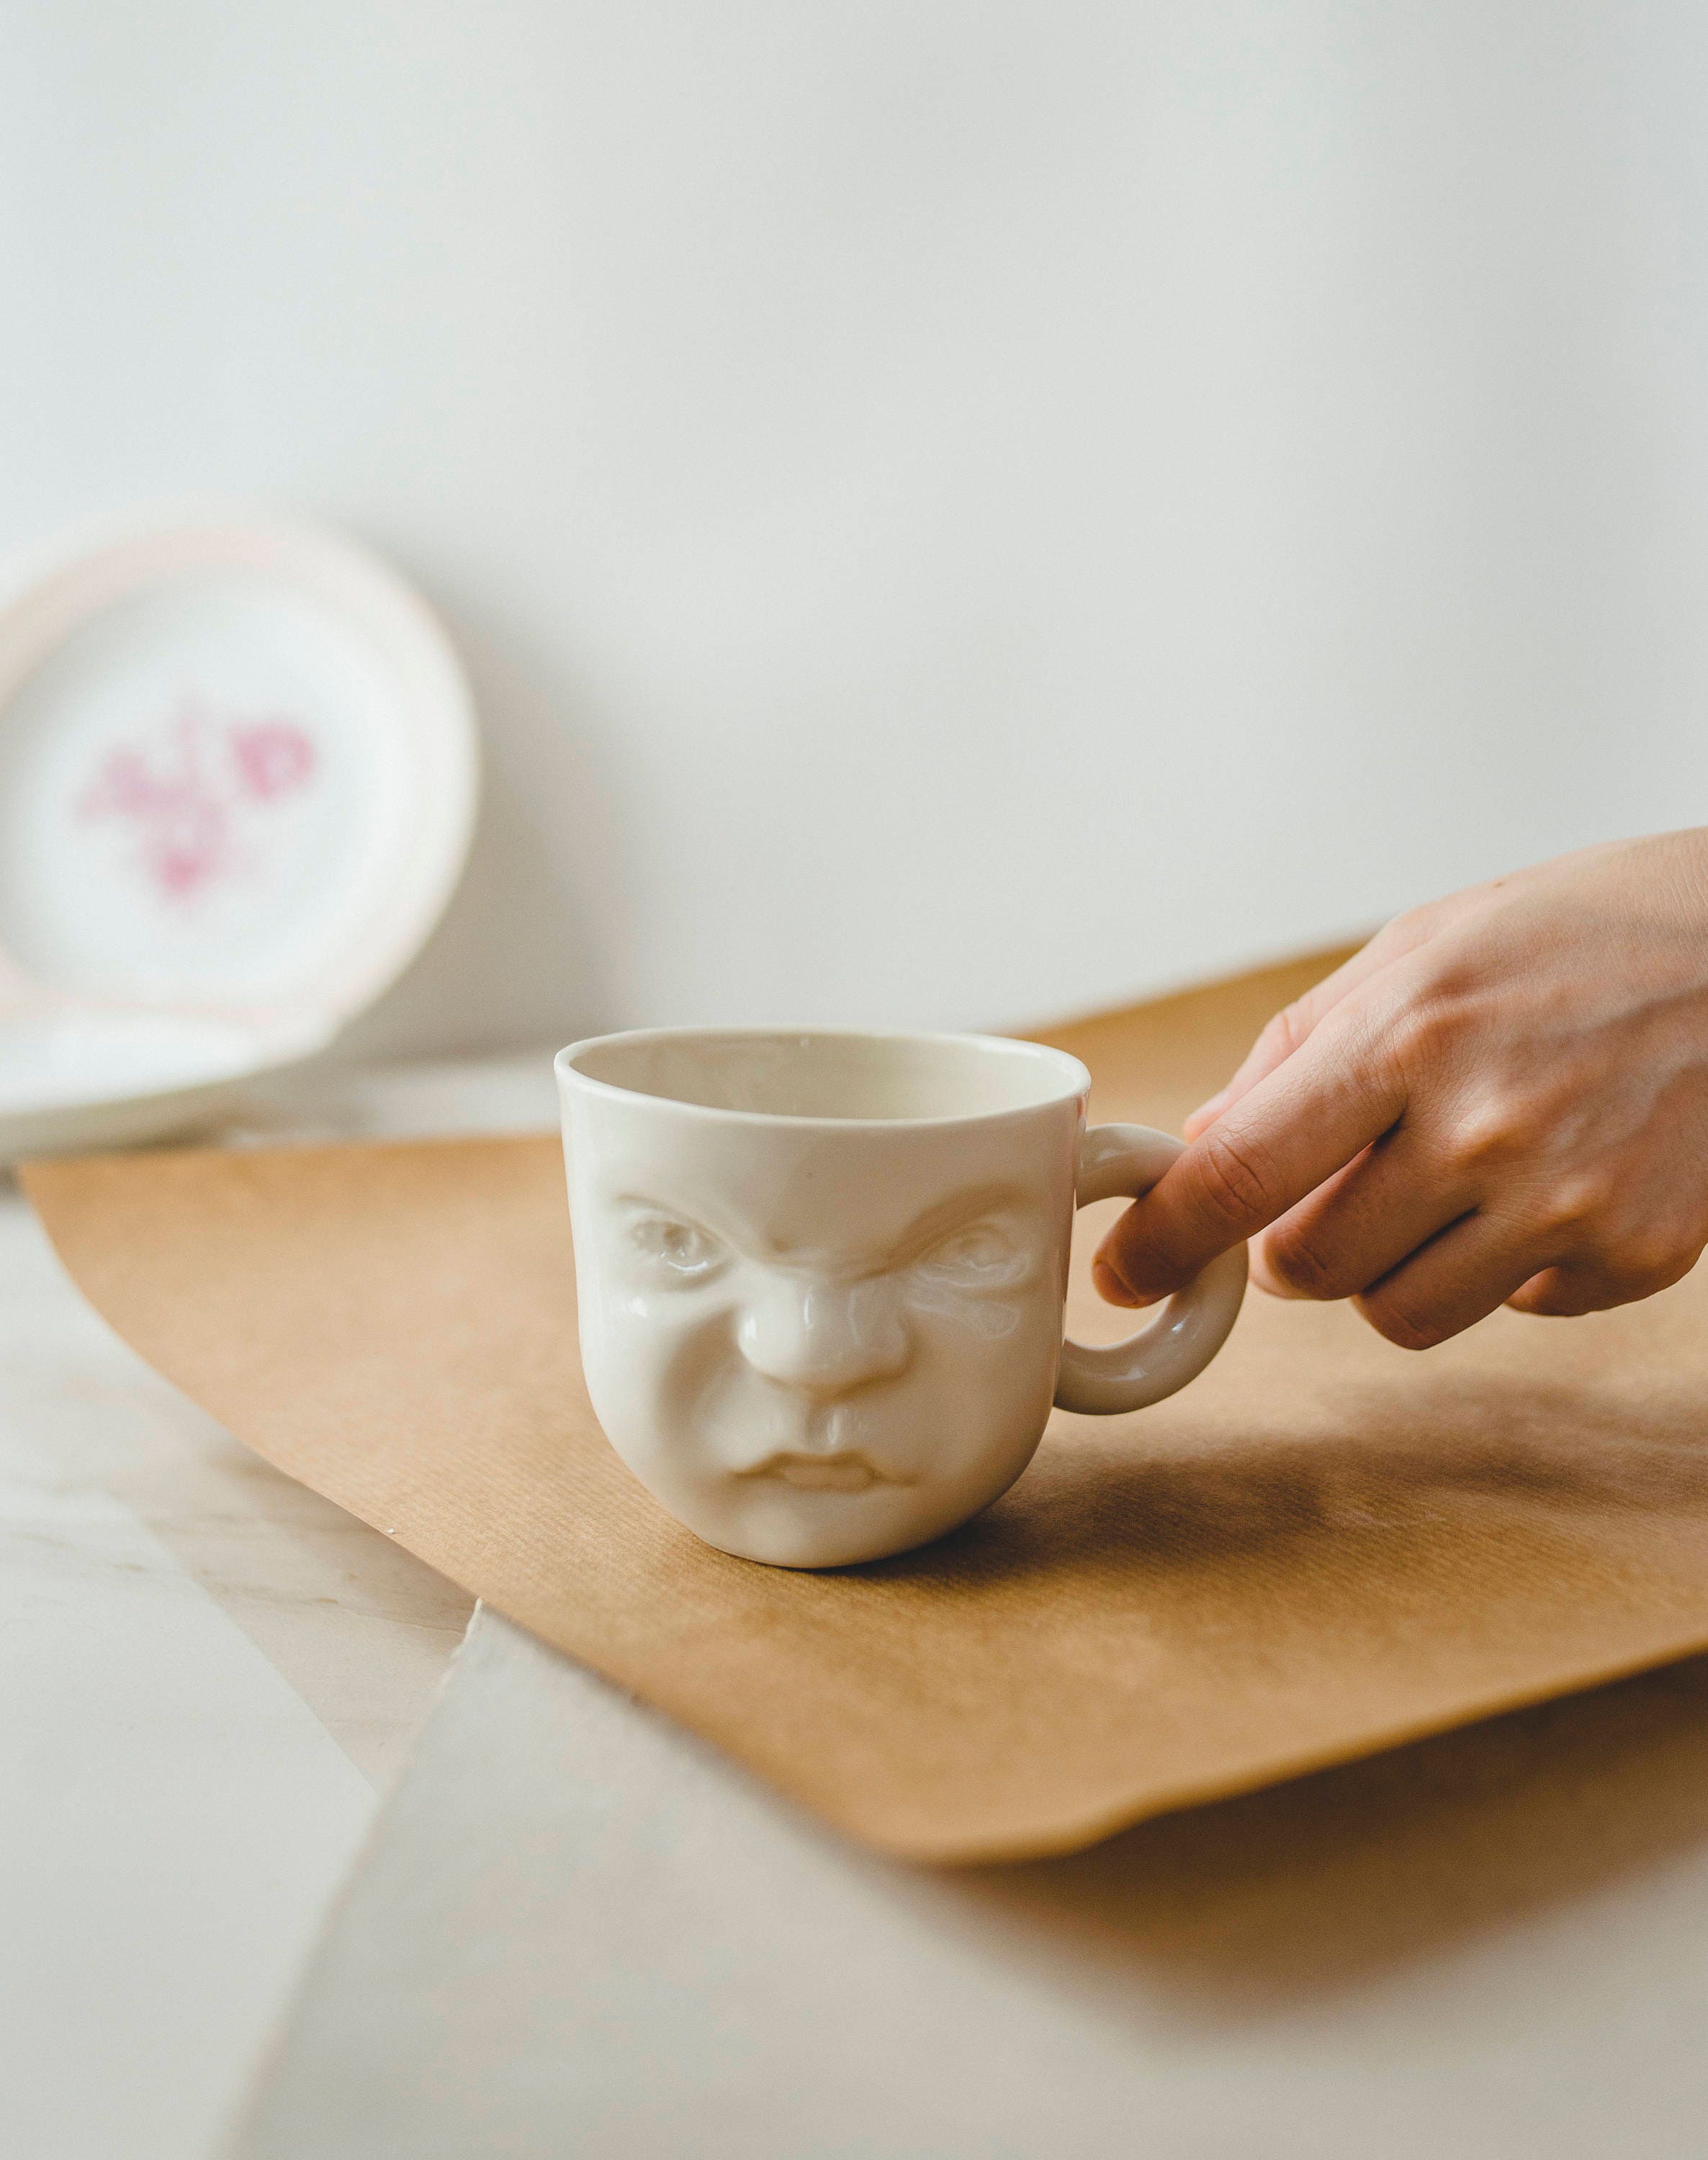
[{"x": 821, "y": 1275}]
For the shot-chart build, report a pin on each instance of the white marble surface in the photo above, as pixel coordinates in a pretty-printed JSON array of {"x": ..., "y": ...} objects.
[
  {"x": 206, "y": 1676},
  {"x": 173, "y": 1814}
]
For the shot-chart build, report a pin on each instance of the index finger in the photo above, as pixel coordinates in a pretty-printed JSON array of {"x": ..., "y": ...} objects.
[
  {"x": 1307, "y": 1120},
  {"x": 1292, "y": 1027}
]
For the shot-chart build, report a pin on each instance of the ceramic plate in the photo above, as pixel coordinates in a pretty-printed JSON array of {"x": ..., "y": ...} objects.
[{"x": 238, "y": 779}]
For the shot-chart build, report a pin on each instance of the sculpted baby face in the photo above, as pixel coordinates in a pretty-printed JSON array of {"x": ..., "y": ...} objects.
[
  {"x": 812, "y": 1389},
  {"x": 821, "y": 1275}
]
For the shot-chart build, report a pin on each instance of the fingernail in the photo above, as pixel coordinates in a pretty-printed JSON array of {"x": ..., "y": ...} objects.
[{"x": 1271, "y": 1284}]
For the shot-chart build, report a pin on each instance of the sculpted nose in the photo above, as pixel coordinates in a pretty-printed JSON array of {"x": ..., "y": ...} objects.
[{"x": 825, "y": 1336}]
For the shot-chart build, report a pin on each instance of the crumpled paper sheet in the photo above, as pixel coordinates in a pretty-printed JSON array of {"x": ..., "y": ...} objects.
[{"x": 1323, "y": 1547}]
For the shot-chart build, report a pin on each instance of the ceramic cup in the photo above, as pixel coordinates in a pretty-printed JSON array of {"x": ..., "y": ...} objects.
[{"x": 822, "y": 1273}]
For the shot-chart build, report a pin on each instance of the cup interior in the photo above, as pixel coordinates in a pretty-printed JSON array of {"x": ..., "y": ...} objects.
[{"x": 832, "y": 1074}]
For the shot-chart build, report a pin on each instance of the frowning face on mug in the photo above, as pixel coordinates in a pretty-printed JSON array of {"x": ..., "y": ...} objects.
[
  {"x": 812, "y": 1398},
  {"x": 821, "y": 1275}
]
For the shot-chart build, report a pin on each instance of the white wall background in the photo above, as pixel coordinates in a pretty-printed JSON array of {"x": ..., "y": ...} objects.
[{"x": 957, "y": 511}]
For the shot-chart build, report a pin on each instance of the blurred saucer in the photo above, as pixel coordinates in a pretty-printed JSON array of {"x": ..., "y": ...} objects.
[{"x": 237, "y": 778}]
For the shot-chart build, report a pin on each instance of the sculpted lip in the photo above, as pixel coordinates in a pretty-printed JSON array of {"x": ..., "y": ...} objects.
[{"x": 847, "y": 1471}]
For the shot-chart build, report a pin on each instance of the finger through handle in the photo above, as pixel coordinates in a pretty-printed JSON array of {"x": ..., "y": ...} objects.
[{"x": 1116, "y": 1160}]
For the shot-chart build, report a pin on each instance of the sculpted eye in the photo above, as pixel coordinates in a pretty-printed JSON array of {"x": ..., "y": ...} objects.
[
  {"x": 676, "y": 1251},
  {"x": 983, "y": 1256}
]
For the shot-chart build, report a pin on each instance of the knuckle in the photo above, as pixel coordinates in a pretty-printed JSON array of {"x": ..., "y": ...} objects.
[
  {"x": 1235, "y": 1177},
  {"x": 1491, "y": 1134},
  {"x": 1581, "y": 1289},
  {"x": 1681, "y": 1259},
  {"x": 1600, "y": 1236},
  {"x": 1406, "y": 1330},
  {"x": 1422, "y": 1034},
  {"x": 1650, "y": 1258},
  {"x": 1596, "y": 1278},
  {"x": 1404, "y": 932},
  {"x": 1294, "y": 1256},
  {"x": 1287, "y": 1031},
  {"x": 1587, "y": 1202}
]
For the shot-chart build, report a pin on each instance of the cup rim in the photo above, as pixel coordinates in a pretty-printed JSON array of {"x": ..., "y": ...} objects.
[{"x": 1076, "y": 1080}]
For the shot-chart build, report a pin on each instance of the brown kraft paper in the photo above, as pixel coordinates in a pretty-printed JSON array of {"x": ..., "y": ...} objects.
[{"x": 1321, "y": 1548}]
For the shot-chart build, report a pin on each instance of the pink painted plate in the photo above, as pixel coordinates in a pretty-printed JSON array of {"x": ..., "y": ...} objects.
[{"x": 238, "y": 770}]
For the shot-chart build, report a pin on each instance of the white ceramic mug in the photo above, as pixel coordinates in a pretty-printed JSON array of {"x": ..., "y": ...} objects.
[{"x": 822, "y": 1274}]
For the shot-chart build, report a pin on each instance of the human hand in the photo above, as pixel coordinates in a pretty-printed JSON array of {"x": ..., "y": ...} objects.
[{"x": 1502, "y": 1098}]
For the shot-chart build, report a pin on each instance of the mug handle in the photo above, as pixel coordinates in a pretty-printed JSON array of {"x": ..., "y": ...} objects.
[{"x": 1127, "y": 1161}]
